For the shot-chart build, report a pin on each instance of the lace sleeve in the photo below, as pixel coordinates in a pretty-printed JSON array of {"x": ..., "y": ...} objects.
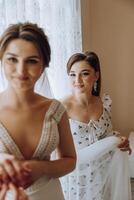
[
  {"x": 58, "y": 112},
  {"x": 3, "y": 148}
]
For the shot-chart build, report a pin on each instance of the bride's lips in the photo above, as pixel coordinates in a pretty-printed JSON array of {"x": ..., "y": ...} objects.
[
  {"x": 22, "y": 78},
  {"x": 79, "y": 86}
]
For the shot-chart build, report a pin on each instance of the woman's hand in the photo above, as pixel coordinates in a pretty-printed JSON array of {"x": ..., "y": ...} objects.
[
  {"x": 3, "y": 191},
  {"x": 124, "y": 144},
  {"x": 12, "y": 170},
  {"x": 36, "y": 169},
  {"x": 18, "y": 193}
]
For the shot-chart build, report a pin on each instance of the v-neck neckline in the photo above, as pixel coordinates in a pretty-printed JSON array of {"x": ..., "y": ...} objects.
[{"x": 13, "y": 147}]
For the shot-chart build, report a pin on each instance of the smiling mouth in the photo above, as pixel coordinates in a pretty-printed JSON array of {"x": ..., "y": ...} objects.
[
  {"x": 79, "y": 86},
  {"x": 22, "y": 78}
]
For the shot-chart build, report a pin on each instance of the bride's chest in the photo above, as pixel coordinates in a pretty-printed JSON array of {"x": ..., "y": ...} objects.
[{"x": 24, "y": 128}]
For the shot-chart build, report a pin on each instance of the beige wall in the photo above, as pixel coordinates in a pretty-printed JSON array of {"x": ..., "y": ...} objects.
[{"x": 108, "y": 29}]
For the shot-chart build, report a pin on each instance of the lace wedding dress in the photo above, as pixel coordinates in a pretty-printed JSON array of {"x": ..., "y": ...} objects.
[{"x": 45, "y": 188}]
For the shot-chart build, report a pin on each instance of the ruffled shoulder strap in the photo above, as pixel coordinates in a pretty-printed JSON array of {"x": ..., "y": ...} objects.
[
  {"x": 3, "y": 148},
  {"x": 107, "y": 102},
  {"x": 59, "y": 110}
]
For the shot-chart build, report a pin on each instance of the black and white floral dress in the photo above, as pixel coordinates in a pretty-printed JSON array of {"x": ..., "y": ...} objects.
[{"x": 84, "y": 134}]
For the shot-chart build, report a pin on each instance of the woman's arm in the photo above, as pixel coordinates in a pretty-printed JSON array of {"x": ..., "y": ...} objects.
[{"x": 29, "y": 171}]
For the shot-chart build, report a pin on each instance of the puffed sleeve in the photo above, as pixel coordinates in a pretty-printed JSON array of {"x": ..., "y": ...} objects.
[{"x": 107, "y": 103}]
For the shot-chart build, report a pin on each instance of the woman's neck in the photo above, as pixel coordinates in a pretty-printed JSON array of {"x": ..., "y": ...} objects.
[
  {"x": 17, "y": 98},
  {"x": 84, "y": 99}
]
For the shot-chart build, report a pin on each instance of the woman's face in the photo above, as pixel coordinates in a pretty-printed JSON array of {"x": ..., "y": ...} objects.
[
  {"x": 22, "y": 64},
  {"x": 82, "y": 77}
]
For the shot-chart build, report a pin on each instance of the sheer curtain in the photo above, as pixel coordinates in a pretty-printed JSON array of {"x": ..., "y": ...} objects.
[{"x": 61, "y": 21}]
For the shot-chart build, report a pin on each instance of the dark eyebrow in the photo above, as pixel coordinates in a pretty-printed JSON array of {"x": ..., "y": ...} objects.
[
  {"x": 84, "y": 70},
  {"x": 37, "y": 57},
  {"x": 12, "y": 54},
  {"x": 71, "y": 71}
]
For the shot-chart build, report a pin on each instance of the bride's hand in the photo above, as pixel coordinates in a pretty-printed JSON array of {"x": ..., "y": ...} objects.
[
  {"x": 18, "y": 193},
  {"x": 12, "y": 170},
  {"x": 3, "y": 191},
  {"x": 36, "y": 169}
]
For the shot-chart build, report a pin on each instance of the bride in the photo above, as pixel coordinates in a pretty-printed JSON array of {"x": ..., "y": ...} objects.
[{"x": 31, "y": 126}]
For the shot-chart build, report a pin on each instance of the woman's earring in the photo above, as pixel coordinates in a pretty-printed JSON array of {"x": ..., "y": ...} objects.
[{"x": 95, "y": 86}]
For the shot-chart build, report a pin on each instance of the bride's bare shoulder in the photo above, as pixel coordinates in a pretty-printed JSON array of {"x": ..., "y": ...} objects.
[
  {"x": 44, "y": 101},
  {"x": 67, "y": 101}
]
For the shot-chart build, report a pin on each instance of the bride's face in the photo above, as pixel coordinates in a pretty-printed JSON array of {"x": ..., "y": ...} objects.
[{"x": 22, "y": 64}]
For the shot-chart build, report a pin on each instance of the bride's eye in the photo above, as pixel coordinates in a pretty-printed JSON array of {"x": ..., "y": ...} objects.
[
  {"x": 12, "y": 60},
  {"x": 85, "y": 73},
  {"x": 72, "y": 74}
]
